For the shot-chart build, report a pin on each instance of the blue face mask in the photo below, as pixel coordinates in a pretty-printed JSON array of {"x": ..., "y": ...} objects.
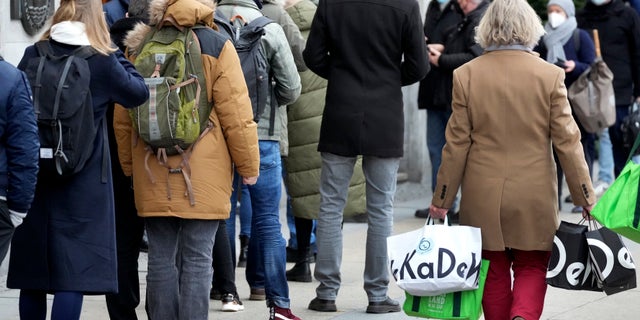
[
  {"x": 442, "y": 1},
  {"x": 598, "y": 2}
]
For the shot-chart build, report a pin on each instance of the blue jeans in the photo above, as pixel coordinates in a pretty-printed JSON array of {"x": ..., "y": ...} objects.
[
  {"x": 179, "y": 270},
  {"x": 244, "y": 212},
  {"x": 266, "y": 261},
  {"x": 381, "y": 177},
  {"x": 605, "y": 158},
  {"x": 436, "y": 125}
]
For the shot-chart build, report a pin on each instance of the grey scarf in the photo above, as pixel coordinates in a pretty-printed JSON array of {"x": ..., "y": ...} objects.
[
  {"x": 555, "y": 39},
  {"x": 515, "y": 46}
]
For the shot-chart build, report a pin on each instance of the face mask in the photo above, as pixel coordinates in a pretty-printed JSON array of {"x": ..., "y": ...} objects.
[
  {"x": 598, "y": 2},
  {"x": 442, "y": 1},
  {"x": 556, "y": 19}
]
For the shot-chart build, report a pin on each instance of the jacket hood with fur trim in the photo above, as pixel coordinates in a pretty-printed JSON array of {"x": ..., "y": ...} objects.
[{"x": 185, "y": 13}]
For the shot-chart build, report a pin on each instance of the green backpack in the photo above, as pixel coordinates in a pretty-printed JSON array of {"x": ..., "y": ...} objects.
[
  {"x": 176, "y": 115},
  {"x": 177, "y": 111}
]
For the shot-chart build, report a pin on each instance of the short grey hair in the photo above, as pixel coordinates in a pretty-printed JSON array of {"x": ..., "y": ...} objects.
[
  {"x": 509, "y": 22},
  {"x": 139, "y": 9}
]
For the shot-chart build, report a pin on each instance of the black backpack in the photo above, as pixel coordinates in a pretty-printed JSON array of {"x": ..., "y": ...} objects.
[
  {"x": 64, "y": 109},
  {"x": 246, "y": 38}
]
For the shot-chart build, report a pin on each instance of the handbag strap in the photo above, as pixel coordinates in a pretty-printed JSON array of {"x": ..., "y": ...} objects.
[
  {"x": 596, "y": 43},
  {"x": 634, "y": 148}
]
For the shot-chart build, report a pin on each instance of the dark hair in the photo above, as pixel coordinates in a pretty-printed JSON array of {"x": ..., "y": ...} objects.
[{"x": 139, "y": 9}]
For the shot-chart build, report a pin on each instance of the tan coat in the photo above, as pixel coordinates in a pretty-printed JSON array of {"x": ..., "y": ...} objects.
[
  {"x": 233, "y": 137},
  {"x": 509, "y": 106}
]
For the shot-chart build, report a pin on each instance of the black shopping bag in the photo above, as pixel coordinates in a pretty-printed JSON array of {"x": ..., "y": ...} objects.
[
  {"x": 612, "y": 261},
  {"x": 570, "y": 266}
]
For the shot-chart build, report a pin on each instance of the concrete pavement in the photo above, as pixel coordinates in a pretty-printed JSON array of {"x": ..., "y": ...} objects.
[{"x": 560, "y": 304}]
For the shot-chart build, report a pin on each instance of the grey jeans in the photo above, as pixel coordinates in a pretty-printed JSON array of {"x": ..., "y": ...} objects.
[
  {"x": 179, "y": 271},
  {"x": 381, "y": 177}
]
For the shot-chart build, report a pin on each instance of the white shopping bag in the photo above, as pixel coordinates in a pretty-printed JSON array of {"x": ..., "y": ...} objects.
[{"x": 436, "y": 259}]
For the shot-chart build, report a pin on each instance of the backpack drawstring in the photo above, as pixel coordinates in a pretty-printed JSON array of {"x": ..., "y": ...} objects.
[{"x": 184, "y": 166}]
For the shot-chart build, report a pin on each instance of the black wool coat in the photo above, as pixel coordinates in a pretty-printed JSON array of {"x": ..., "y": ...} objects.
[
  {"x": 438, "y": 24},
  {"x": 367, "y": 50}
]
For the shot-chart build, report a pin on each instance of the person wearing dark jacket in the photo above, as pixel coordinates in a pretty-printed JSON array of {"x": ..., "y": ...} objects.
[
  {"x": 366, "y": 50},
  {"x": 619, "y": 33},
  {"x": 440, "y": 20},
  {"x": 19, "y": 152},
  {"x": 458, "y": 47},
  {"x": 560, "y": 46},
  {"x": 115, "y": 10},
  {"x": 67, "y": 245},
  {"x": 129, "y": 227},
  {"x": 266, "y": 257}
]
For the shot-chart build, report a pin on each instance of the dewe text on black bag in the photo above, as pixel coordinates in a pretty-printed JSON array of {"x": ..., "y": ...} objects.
[
  {"x": 612, "y": 261},
  {"x": 570, "y": 266}
]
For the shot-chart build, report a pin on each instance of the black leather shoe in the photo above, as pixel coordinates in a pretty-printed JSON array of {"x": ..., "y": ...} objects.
[
  {"x": 323, "y": 305},
  {"x": 385, "y": 306},
  {"x": 422, "y": 213}
]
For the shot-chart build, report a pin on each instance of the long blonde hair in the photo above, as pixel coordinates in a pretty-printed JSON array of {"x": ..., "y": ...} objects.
[
  {"x": 509, "y": 22},
  {"x": 90, "y": 13}
]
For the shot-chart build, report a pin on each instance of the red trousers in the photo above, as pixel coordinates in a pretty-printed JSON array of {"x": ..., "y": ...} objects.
[{"x": 525, "y": 298}]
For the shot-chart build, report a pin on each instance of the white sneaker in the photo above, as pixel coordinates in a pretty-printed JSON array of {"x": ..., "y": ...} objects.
[
  {"x": 600, "y": 187},
  {"x": 231, "y": 303}
]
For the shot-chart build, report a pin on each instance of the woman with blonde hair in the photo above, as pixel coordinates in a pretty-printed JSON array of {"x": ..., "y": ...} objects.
[
  {"x": 499, "y": 149},
  {"x": 66, "y": 245}
]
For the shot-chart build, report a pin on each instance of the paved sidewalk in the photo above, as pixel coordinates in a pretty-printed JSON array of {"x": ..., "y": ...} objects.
[{"x": 351, "y": 302}]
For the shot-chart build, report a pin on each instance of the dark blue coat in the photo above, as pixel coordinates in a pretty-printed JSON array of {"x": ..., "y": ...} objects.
[
  {"x": 19, "y": 142},
  {"x": 583, "y": 56},
  {"x": 67, "y": 242},
  {"x": 115, "y": 10}
]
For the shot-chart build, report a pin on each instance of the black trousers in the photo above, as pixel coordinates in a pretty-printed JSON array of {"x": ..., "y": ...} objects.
[
  {"x": 224, "y": 273},
  {"x": 303, "y": 233},
  {"x": 129, "y": 230}
]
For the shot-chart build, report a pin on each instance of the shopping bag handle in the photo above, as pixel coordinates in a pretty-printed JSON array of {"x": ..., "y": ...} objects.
[
  {"x": 593, "y": 224},
  {"x": 432, "y": 221}
]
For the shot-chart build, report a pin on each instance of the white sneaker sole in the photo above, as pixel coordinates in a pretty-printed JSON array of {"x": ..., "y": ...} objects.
[{"x": 232, "y": 307}]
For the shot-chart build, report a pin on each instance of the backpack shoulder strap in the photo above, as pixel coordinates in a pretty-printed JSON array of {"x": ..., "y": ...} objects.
[
  {"x": 576, "y": 39},
  {"x": 261, "y": 22},
  {"x": 84, "y": 52},
  {"x": 223, "y": 23}
]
